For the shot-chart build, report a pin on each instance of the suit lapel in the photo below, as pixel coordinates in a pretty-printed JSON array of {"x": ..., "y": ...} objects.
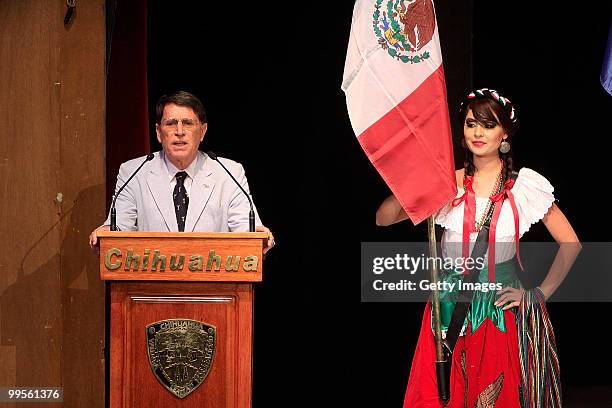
[
  {"x": 159, "y": 185},
  {"x": 201, "y": 190}
]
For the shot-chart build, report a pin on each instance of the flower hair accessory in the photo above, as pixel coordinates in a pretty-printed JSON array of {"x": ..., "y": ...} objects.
[{"x": 494, "y": 95}]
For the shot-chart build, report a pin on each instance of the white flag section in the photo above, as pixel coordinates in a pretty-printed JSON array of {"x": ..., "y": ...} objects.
[
  {"x": 396, "y": 100},
  {"x": 371, "y": 74}
]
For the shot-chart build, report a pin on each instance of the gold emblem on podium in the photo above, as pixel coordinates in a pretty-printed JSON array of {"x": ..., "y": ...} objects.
[{"x": 181, "y": 353}]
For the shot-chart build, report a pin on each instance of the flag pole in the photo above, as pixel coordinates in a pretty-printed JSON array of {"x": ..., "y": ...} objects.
[{"x": 442, "y": 363}]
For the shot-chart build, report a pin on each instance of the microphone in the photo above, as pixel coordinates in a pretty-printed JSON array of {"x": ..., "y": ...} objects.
[
  {"x": 213, "y": 156},
  {"x": 113, "y": 226}
]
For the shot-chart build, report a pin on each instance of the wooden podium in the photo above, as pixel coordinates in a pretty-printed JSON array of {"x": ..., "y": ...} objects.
[{"x": 181, "y": 317}]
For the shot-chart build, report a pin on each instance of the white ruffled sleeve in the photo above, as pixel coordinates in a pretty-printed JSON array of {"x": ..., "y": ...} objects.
[
  {"x": 449, "y": 217},
  {"x": 533, "y": 195}
]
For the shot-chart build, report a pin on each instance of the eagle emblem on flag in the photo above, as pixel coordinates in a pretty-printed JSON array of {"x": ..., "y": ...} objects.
[{"x": 404, "y": 28}]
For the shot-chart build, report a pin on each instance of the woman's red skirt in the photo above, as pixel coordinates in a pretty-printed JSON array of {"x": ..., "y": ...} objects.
[{"x": 485, "y": 370}]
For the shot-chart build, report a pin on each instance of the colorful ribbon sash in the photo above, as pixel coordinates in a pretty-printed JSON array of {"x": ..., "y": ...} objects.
[{"x": 469, "y": 220}]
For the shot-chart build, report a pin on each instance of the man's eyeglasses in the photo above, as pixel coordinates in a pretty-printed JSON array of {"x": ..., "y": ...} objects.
[{"x": 188, "y": 124}]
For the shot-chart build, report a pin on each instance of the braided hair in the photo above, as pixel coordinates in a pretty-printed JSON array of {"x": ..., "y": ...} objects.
[{"x": 488, "y": 105}]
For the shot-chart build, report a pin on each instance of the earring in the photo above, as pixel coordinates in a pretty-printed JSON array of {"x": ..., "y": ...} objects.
[{"x": 504, "y": 147}]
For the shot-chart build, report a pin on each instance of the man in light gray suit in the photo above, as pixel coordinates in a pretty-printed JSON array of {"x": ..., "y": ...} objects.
[{"x": 181, "y": 188}]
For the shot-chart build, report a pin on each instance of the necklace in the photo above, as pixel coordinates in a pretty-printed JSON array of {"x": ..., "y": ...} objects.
[{"x": 488, "y": 212}]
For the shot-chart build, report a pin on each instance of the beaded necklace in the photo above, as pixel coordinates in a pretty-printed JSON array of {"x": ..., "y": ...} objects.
[{"x": 488, "y": 212}]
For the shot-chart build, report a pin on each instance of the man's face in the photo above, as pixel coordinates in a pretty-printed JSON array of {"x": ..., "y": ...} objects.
[{"x": 180, "y": 133}]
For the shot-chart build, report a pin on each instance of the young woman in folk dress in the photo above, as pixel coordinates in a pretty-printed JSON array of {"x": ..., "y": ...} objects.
[{"x": 505, "y": 356}]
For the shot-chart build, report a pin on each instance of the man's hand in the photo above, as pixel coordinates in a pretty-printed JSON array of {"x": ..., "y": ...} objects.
[
  {"x": 93, "y": 237},
  {"x": 270, "y": 243}
]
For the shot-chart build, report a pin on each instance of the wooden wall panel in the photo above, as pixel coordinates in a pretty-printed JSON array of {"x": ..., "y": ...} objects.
[
  {"x": 51, "y": 141},
  {"x": 82, "y": 185},
  {"x": 30, "y": 305}
]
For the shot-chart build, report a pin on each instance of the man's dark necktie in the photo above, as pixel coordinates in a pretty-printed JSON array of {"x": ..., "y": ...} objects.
[{"x": 181, "y": 201}]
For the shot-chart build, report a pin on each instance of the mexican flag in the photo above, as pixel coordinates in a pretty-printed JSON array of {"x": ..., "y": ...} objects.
[{"x": 396, "y": 100}]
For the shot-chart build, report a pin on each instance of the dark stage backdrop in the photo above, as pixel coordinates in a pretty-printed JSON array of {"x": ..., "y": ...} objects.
[{"x": 270, "y": 77}]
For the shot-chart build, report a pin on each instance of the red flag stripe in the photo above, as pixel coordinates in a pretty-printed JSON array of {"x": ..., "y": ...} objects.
[{"x": 411, "y": 147}]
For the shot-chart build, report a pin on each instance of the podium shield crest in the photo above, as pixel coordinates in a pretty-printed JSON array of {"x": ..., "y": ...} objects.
[{"x": 181, "y": 353}]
